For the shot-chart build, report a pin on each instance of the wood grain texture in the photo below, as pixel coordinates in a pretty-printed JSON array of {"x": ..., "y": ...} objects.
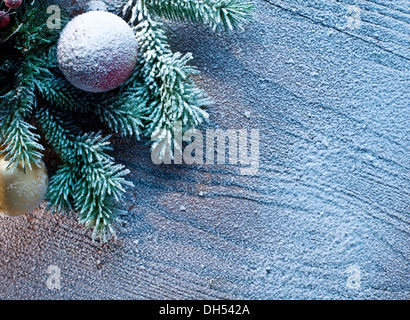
[{"x": 331, "y": 104}]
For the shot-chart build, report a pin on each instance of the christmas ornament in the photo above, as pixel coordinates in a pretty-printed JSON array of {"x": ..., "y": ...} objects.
[
  {"x": 21, "y": 191},
  {"x": 95, "y": 5},
  {"x": 97, "y": 51},
  {"x": 4, "y": 19},
  {"x": 13, "y": 4}
]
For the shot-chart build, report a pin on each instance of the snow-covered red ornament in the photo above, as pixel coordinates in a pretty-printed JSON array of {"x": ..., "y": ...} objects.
[{"x": 97, "y": 51}]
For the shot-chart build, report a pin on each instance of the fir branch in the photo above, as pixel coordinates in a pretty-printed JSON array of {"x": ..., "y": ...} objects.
[
  {"x": 218, "y": 14},
  {"x": 20, "y": 144},
  {"x": 171, "y": 94},
  {"x": 57, "y": 91},
  {"x": 118, "y": 110},
  {"x": 18, "y": 102},
  {"x": 134, "y": 11},
  {"x": 60, "y": 191},
  {"x": 123, "y": 119},
  {"x": 89, "y": 181}
]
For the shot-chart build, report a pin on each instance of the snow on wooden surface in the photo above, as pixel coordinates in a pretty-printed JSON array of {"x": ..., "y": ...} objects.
[{"x": 326, "y": 83}]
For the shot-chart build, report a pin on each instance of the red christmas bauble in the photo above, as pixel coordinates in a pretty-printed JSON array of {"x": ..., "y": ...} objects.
[
  {"x": 13, "y": 4},
  {"x": 4, "y": 19},
  {"x": 97, "y": 51}
]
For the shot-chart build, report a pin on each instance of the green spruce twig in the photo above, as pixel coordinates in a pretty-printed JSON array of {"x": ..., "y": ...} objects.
[
  {"x": 218, "y": 14},
  {"x": 88, "y": 181}
]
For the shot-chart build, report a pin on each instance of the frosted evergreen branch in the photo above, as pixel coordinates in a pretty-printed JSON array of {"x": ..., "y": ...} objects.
[
  {"x": 118, "y": 110},
  {"x": 172, "y": 96},
  {"x": 70, "y": 143},
  {"x": 123, "y": 119},
  {"x": 89, "y": 180},
  {"x": 60, "y": 93},
  {"x": 61, "y": 190},
  {"x": 134, "y": 11},
  {"x": 218, "y": 14},
  {"x": 18, "y": 102},
  {"x": 20, "y": 143}
]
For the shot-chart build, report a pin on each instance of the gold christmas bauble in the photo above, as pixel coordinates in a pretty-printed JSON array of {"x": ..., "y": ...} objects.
[{"x": 21, "y": 191}]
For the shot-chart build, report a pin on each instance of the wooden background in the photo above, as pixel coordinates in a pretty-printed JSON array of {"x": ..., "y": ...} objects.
[{"x": 330, "y": 98}]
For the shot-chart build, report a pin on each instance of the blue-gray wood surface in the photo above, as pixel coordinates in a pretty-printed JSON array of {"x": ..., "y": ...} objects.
[{"x": 325, "y": 217}]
